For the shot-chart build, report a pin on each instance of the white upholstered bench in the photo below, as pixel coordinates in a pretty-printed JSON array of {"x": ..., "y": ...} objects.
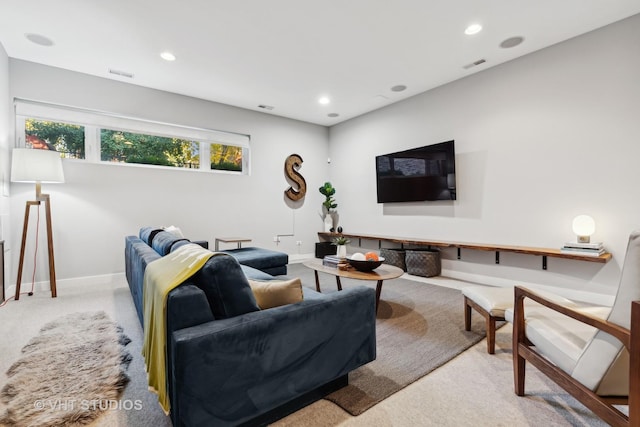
[
  {"x": 496, "y": 303},
  {"x": 491, "y": 302}
]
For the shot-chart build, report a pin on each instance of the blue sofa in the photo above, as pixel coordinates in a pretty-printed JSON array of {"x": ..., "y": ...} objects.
[{"x": 230, "y": 363}]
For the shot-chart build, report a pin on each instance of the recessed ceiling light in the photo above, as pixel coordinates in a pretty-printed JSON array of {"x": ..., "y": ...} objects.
[
  {"x": 511, "y": 42},
  {"x": 39, "y": 39},
  {"x": 398, "y": 88},
  {"x": 333, "y": 115},
  {"x": 324, "y": 100},
  {"x": 473, "y": 29},
  {"x": 168, "y": 56}
]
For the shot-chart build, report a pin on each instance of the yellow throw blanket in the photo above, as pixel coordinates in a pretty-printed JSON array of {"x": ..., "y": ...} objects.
[{"x": 160, "y": 277}]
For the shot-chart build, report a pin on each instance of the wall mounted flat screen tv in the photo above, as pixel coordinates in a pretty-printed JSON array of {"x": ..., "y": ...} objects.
[{"x": 419, "y": 174}]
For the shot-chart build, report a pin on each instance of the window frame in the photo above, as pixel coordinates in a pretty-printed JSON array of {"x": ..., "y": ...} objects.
[{"x": 94, "y": 121}]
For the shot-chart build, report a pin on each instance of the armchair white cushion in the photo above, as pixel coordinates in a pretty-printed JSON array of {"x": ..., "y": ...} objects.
[
  {"x": 584, "y": 349},
  {"x": 556, "y": 336}
]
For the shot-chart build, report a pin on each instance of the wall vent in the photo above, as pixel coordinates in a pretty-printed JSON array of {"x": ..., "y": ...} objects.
[
  {"x": 121, "y": 73},
  {"x": 475, "y": 63}
]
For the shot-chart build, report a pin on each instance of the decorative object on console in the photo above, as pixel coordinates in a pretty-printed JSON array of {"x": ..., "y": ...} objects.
[
  {"x": 291, "y": 166},
  {"x": 38, "y": 166},
  {"x": 329, "y": 215},
  {"x": 584, "y": 226},
  {"x": 589, "y": 249},
  {"x": 328, "y": 223}
]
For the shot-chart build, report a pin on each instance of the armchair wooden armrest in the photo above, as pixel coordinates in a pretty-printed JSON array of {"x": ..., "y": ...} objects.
[
  {"x": 620, "y": 333},
  {"x": 524, "y": 350}
]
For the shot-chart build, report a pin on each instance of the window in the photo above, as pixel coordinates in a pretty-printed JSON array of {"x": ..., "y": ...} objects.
[
  {"x": 66, "y": 138},
  {"x": 226, "y": 157},
  {"x": 129, "y": 147},
  {"x": 103, "y": 137}
]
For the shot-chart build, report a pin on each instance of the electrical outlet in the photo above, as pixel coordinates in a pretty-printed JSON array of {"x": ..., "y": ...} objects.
[{"x": 299, "y": 242}]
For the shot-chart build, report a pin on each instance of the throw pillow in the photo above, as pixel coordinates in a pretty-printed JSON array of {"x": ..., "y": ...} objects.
[
  {"x": 174, "y": 230},
  {"x": 226, "y": 287},
  {"x": 164, "y": 241},
  {"x": 274, "y": 293}
]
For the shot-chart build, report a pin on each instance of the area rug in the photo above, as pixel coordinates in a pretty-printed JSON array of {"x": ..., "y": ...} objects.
[
  {"x": 69, "y": 374},
  {"x": 419, "y": 327}
]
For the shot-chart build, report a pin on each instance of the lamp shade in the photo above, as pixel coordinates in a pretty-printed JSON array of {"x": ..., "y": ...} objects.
[
  {"x": 584, "y": 225},
  {"x": 33, "y": 165}
]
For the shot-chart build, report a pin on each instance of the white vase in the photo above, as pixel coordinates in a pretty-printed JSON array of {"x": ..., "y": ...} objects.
[
  {"x": 328, "y": 223},
  {"x": 342, "y": 251},
  {"x": 334, "y": 219}
]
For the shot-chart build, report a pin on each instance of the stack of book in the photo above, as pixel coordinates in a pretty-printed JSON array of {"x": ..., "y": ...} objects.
[
  {"x": 587, "y": 249},
  {"x": 332, "y": 261}
]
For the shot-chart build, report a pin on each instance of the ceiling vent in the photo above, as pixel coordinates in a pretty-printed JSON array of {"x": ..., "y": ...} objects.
[
  {"x": 121, "y": 73},
  {"x": 266, "y": 107},
  {"x": 475, "y": 63}
]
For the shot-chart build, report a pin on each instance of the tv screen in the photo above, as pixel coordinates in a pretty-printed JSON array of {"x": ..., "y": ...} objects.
[{"x": 419, "y": 174}]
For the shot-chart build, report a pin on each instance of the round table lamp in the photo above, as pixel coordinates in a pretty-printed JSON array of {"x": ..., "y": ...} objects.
[{"x": 584, "y": 226}]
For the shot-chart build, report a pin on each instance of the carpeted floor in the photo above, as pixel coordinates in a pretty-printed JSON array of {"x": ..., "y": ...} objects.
[
  {"x": 71, "y": 372},
  {"x": 21, "y": 320},
  {"x": 418, "y": 328},
  {"x": 474, "y": 388}
]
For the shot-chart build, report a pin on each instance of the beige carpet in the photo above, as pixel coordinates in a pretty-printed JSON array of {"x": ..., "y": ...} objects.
[
  {"x": 473, "y": 389},
  {"x": 419, "y": 327}
]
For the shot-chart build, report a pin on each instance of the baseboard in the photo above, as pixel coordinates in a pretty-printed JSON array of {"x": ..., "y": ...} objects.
[
  {"x": 298, "y": 258},
  {"x": 44, "y": 286}
]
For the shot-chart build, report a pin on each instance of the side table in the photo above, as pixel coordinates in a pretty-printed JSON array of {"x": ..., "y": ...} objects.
[{"x": 238, "y": 240}]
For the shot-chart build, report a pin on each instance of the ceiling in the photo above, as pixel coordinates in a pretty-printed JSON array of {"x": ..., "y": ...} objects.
[{"x": 288, "y": 53}]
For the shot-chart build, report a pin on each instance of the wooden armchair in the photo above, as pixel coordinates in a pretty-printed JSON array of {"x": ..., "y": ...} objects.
[{"x": 595, "y": 359}]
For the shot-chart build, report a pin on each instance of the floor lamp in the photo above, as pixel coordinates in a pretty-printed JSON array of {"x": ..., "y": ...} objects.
[{"x": 39, "y": 166}]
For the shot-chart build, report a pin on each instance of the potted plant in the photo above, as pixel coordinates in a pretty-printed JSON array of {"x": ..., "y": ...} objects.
[
  {"x": 341, "y": 247},
  {"x": 330, "y": 216}
]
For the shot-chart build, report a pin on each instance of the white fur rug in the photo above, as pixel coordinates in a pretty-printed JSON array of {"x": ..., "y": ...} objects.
[{"x": 70, "y": 373}]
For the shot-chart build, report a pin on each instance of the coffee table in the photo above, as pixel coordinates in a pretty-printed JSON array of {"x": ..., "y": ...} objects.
[{"x": 384, "y": 272}]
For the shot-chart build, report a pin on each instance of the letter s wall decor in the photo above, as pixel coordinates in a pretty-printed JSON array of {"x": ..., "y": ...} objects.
[{"x": 291, "y": 166}]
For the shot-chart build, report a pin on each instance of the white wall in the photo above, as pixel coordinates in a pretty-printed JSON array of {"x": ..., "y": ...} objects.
[
  {"x": 5, "y": 132},
  {"x": 539, "y": 140},
  {"x": 101, "y": 204}
]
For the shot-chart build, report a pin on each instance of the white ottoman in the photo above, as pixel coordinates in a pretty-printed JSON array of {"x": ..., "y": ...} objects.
[{"x": 491, "y": 302}]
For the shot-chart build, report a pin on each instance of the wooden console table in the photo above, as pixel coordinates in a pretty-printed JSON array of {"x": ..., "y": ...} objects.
[{"x": 543, "y": 252}]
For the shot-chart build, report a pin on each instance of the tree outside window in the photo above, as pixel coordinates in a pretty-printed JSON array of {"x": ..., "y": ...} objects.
[
  {"x": 129, "y": 147},
  {"x": 66, "y": 138}
]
